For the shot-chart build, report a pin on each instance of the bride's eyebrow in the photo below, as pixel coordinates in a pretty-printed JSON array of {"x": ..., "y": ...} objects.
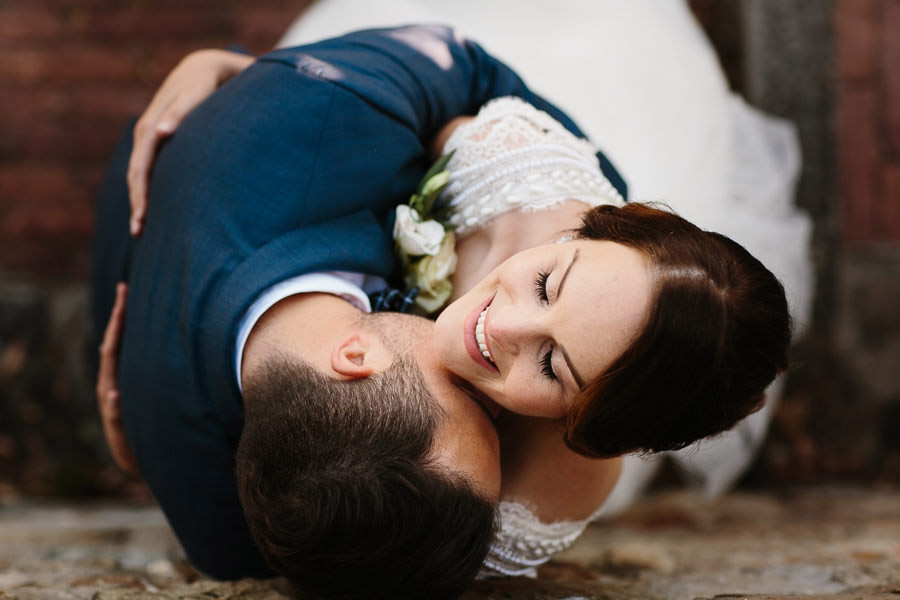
[
  {"x": 562, "y": 349},
  {"x": 572, "y": 370},
  {"x": 562, "y": 281}
]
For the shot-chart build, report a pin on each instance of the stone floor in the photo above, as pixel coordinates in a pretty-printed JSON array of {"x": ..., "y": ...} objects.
[{"x": 839, "y": 543}]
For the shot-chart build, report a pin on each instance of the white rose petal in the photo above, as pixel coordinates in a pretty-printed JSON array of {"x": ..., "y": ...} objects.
[
  {"x": 433, "y": 300},
  {"x": 415, "y": 237},
  {"x": 440, "y": 266}
]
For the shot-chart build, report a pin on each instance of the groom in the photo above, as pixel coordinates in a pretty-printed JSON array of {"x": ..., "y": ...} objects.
[{"x": 292, "y": 169}]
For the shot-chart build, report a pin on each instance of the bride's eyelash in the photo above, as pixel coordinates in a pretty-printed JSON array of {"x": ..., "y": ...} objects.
[
  {"x": 547, "y": 366},
  {"x": 540, "y": 285}
]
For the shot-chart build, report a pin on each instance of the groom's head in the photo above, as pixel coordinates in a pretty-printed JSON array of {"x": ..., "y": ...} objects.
[{"x": 351, "y": 485}]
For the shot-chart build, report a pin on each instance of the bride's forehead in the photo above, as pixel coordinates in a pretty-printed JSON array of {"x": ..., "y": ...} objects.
[{"x": 588, "y": 250}]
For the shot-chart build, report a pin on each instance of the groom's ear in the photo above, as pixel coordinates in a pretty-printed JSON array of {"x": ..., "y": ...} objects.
[{"x": 349, "y": 356}]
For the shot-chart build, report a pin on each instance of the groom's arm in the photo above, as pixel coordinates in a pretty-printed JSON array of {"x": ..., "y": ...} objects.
[{"x": 422, "y": 76}]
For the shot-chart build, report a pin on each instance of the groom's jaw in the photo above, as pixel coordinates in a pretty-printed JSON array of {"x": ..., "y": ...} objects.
[{"x": 466, "y": 440}]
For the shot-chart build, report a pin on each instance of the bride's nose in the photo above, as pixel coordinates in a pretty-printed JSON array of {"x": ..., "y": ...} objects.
[{"x": 511, "y": 328}]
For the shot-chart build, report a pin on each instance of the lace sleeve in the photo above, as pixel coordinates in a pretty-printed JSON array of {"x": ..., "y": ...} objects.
[
  {"x": 523, "y": 543},
  {"x": 513, "y": 156}
]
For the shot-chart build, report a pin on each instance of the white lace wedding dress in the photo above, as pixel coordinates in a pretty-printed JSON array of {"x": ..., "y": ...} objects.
[{"x": 642, "y": 81}]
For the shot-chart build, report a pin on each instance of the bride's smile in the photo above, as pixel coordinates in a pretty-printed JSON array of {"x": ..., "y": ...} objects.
[
  {"x": 481, "y": 338},
  {"x": 475, "y": 338}
]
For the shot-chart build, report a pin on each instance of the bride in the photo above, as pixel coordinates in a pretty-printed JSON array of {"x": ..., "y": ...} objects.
[{"x": 526, "y": 539}]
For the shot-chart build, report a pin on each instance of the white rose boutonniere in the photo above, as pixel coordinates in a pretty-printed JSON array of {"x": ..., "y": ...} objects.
[
  {"x": 425, "y": 246},
  {"x": 415, "y": 237}
]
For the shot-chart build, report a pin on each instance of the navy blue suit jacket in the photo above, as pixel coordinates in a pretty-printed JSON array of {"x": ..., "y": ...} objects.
[{"x": 294, "y": 166}]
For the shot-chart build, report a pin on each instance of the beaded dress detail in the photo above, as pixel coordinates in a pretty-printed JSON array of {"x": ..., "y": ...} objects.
[
  {"x": 513, "y": 156},
  {"x": 523, "y": 542}
]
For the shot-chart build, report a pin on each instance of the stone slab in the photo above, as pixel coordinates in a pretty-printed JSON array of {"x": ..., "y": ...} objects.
[{"x": 837, "y": 543}]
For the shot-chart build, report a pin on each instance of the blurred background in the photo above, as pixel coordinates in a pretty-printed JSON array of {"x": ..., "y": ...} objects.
[{"x": 72, "y": 72}]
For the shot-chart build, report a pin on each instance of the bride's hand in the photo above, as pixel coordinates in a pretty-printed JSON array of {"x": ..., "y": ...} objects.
[
  {"x": 108, "y": 398},
  {"x": 195, "y": 78}
]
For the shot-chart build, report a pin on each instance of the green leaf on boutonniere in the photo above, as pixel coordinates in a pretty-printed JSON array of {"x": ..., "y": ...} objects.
[
  {"x": 432, "y": 189},
  {"x": 431, "y": 186},
  {"x": 438, "y": 166}
]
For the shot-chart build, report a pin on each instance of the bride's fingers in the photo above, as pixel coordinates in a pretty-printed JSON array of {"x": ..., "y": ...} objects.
[
  {"x": 108, "y": 397},
  {"x": 111, "y": 336},
  {"x": 177, "y": 110},
  {"x": 193, "y": 80},
  {"x": 150, "y": 130},
  {"x": 146, "y": 139},
  {"x": 114, "y": 431}
]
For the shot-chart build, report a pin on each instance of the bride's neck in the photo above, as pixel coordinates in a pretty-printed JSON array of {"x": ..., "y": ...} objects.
[{"x": 481, "y": 251}]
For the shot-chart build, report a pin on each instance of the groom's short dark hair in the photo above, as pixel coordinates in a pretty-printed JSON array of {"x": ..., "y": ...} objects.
[{"x": 340, "y": 489}]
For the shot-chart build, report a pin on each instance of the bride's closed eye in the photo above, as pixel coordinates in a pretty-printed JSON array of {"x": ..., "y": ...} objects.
[
  {"x": 540, "y": 286},
  {"x": 547, "y": 366}
]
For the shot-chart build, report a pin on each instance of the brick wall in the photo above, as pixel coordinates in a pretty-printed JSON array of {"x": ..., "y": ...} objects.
[
  {"x": 867, "y": 41},
  {"x": 71, "y": 74}
]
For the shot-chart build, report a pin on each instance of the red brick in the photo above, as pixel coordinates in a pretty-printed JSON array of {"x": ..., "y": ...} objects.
[
  {"x": 74, "y": 137},
  {"x": 47, "y": 257},
  {"x": 47, "y": 220},
  {"x": 50, "y": 223},
  {"x": 114, "y": 103},
  {"x": 69, "y": 63},
  {"x": 23, "y": 107},
  {"x": 22, "y": 183},
  {"x": 856, "y": 38},
  {"x": 52, "y": 123},
  {"x": 858, "y": 162},
  {"x": 66, "y": 183},
  {"x": 890, "y": 75},
  {"x": 90, "y": 176},
  {"x": 156, "y": 25},
  {"x": 20, "y": 23}
]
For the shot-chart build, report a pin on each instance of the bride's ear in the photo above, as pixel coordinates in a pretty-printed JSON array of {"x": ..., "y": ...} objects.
[{"x": 348, "y": 357}]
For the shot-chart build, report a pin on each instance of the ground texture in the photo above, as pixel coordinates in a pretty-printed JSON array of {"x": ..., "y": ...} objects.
[{"x": 839, "y": 543}]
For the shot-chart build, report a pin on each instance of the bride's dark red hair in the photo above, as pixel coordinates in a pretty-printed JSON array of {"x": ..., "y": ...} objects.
[{"x": 716, "y": 335}]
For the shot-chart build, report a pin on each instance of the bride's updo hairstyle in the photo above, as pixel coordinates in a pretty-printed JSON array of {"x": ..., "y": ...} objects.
[{"x": 716, "y": 335}]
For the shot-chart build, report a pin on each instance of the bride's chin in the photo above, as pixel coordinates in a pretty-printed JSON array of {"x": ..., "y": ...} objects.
[{"x": 449, "y": 340}]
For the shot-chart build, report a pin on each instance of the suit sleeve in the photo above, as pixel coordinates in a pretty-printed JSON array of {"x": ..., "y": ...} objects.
[{"x": 422, "y": 76}]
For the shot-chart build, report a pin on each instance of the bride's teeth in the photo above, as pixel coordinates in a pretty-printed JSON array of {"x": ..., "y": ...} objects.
[
  {"x": 479, "y": 336},
  {"x": 485, "y": 353}
]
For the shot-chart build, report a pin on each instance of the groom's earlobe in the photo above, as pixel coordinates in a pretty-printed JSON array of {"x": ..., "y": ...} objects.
[{"x": 348, "y": 358}]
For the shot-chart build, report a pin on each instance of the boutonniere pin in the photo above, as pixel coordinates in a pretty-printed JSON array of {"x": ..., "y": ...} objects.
[{"x": 425, "y": 246}]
